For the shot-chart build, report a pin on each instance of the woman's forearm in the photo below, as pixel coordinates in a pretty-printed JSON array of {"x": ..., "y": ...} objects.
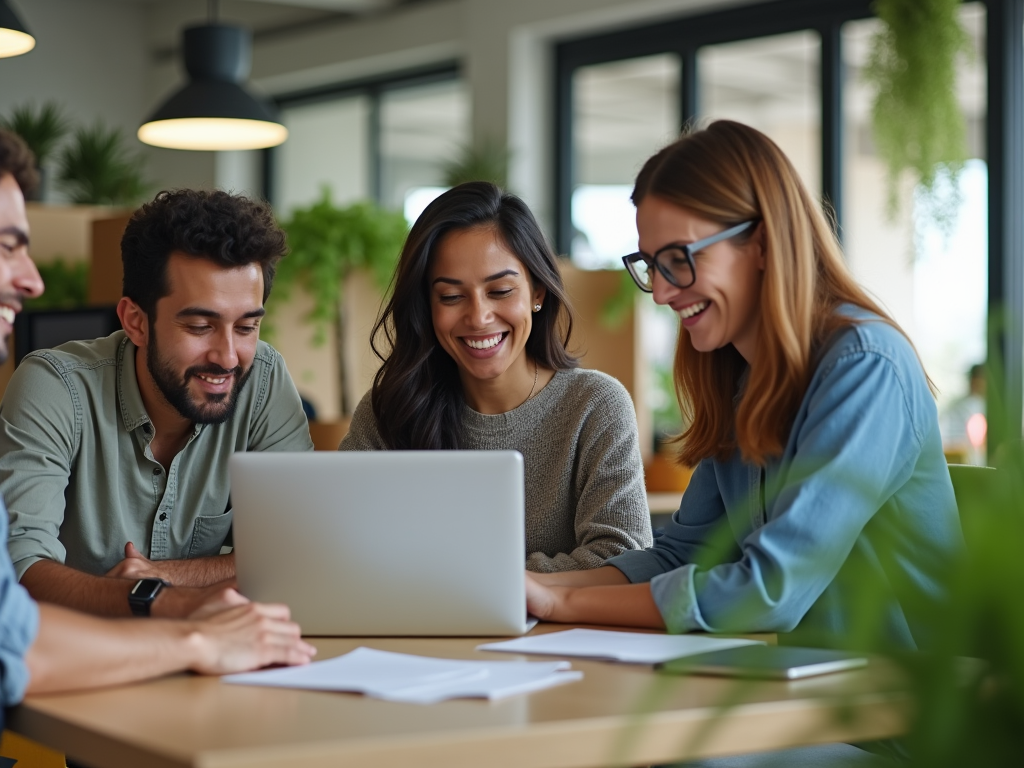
[{"x": 605, "y": 576}]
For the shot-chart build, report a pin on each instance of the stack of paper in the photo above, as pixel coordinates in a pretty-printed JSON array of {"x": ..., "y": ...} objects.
[
  {"x": 415, "y": 679},
  {"x": 631, "y": 647}
]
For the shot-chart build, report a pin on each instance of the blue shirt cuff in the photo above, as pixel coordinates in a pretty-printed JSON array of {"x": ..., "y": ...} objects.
[
  {"x": 638, "y": 565},
  {"x": 19, "y": 625},
  {"x": 674, "y": 594}
]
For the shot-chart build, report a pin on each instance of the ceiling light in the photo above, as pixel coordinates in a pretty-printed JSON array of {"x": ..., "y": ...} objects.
[
  {"x": 14, "y": 36},
  {"x": 214, "y": 111}
]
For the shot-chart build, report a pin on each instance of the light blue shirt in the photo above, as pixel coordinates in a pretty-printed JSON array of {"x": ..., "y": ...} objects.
[
  {"x": 860, "y": 494},
  {"x": 19, "y": 622}
]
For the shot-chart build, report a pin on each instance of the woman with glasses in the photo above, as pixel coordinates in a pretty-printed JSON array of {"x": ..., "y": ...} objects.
[
  {"x": 475, "y": 356},
  {"x": 812, "y": 427}
]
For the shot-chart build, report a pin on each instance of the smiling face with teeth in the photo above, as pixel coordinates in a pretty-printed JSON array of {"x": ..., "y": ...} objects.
[
  {"x": 481, "y": 303},
  {"x": 200, "y": 345},
  {"x": 19, "y": 277},
  {"x": 723, "y": 304}
]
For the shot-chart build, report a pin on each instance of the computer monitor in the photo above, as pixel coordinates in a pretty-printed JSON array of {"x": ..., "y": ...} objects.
[{"x": 47, "y": 328}]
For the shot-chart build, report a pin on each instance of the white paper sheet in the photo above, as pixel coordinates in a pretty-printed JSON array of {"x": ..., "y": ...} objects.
[
  {"x": 630, "y": 647},
  {"x": 415, "y": 679}
]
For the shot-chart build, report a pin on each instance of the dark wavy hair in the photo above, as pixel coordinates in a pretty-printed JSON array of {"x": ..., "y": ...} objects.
[
  {"x": 229, "y": 230},
  {"x": 17, "y": 159},
  {"x": 417, "y": 395}
]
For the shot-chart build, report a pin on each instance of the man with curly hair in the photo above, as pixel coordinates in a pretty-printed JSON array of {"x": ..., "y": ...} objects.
[
  {"x": 46, "y": 648},
  {"x": 114, "y": 452}
]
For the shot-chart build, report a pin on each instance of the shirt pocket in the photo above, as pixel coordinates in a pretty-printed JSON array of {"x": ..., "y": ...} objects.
[{"x": 208, "y": 534}]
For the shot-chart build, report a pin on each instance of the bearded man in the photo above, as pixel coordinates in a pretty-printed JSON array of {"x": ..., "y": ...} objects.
[{"x": 114, "y": 452}]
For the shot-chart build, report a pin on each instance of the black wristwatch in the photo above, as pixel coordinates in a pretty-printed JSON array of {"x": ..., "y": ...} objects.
[{"x": 141, "y": 598}]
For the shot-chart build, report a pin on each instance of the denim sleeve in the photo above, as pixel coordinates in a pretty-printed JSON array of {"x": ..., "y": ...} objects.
[
  {"x": 687, "y": 537},
  {"x": 19, "y": 622},
  {"x": 856, "y": 444}
]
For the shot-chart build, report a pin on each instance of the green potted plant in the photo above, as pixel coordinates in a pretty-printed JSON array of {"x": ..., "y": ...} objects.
[
  {"x": 42, "y": 128},
  {"x": 326, "y": 243},
  {"x": 97, "y": 167},
  {"x": 484, "y": 160}
]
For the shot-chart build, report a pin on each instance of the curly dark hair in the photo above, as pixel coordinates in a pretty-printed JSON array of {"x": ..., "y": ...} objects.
[
  {"x": 17, "y": 159},
  {"x": 229, "y": 230}
]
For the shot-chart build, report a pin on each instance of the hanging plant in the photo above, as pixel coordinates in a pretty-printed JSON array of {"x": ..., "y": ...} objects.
[
  {"x": 325, "y": 244},
  {"x": 917, "y": 122}
]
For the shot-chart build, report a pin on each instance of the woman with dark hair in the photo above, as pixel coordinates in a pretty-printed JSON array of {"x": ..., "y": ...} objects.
[
  {"x": 813, "y": 430},
  {"x": 475, "y": 357}
]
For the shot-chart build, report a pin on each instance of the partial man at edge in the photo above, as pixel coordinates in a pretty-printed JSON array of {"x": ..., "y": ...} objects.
[
  {"x": 46, "y": 648},
  {"x": 114, "y": 451}
]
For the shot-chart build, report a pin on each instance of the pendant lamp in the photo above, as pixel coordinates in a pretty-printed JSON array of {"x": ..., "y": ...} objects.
[
  {"x": 214, "y": 111},
  {"x": 15, "y": 38}
]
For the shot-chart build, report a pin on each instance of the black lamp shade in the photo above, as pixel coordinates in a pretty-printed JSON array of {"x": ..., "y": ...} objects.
[
  {"x": 214, "y": 110},
  {"x": 15, "y": 39}
]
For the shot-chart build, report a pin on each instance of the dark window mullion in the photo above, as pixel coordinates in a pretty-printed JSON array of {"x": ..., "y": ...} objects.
[
  {"x": 1005, "y": 127},
  {"x": 689, "y": 86},
  {"x": 831, "y": 71}
]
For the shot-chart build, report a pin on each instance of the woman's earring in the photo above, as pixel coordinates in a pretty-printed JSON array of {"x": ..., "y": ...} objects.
[{"x": 536, "y": 307}]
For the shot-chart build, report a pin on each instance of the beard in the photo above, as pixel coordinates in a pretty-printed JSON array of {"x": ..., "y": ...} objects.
[{"x": 211, "y": 408}]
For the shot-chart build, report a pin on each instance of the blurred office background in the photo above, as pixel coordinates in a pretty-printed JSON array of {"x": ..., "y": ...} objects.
[{"x": 381, "y": 96}]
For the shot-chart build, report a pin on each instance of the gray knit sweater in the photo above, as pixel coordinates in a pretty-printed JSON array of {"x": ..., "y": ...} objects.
[{"x": 585, "y": 498}]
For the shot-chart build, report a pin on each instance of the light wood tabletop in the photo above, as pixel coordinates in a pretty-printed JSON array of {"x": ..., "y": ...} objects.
[{"x": 618, "y": 714}]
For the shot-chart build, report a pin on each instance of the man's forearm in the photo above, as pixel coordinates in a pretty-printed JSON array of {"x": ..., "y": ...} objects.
[
  {"x": 50, "y": 582},
  {"x": 199, "y": 571}
]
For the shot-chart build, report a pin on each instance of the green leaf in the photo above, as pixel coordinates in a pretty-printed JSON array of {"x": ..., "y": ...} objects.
[
  {"x": 326, "y": 243},
  {"x": 98, "y": 168}
]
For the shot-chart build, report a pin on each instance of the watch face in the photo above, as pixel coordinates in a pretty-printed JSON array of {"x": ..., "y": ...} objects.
[{"x": 146, "y": 589}]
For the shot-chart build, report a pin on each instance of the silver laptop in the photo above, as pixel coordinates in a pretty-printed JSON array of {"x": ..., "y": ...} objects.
[{"x": 384, "y": 543}]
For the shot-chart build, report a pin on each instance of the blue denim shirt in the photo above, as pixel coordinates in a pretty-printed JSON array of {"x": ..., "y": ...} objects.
[
  {"x": 861, "y": 492},
  {"x": 19, "y": 622}
]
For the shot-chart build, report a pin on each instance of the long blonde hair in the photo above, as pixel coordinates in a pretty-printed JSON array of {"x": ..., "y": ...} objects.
[{"x": 729, "y": 173}]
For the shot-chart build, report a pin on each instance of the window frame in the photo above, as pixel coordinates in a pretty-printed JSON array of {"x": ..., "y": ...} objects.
[
  {"x": 373, "y": 88},
  {"x": 1004, "y": 132}
]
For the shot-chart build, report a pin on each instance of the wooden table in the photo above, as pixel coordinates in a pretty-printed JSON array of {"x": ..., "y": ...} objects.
[{"x": 617, "y": 715}]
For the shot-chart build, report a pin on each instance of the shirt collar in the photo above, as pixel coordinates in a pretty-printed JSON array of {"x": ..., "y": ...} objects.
[{"x": 129, "y": 398}]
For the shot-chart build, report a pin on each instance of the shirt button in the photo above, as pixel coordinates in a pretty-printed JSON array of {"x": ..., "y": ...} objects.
[
  {"x": 163, "y": 516},
  {"x": 157, "y": 470}
]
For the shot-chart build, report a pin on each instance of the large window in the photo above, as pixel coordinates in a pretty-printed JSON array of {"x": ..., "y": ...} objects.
[
  {"x": 793, "y": 69},
  {"x": 385, "y": 140}
]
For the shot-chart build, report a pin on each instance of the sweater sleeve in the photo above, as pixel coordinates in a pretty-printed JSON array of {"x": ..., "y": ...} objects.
[
  {"x": 857, "y": 445},
  {"x": 611, "y": 514},
  {"x": 362, "y": 433}
]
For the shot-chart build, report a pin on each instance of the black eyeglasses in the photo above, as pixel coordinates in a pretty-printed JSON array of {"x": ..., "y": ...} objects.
[{"x": 675, "y": 260}]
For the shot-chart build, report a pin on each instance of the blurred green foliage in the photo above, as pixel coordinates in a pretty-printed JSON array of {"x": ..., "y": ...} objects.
[
  {"x": 327, "y": 242},
  {"x": 917, "y": 122},
  {"x": 41, "y": 127},
  {"x": 97, "y": 167},
  {"x": 67, "y": 284}
]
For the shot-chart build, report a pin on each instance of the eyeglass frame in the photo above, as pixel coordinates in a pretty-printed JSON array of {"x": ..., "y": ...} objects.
[{"x": 688, "y": 249}]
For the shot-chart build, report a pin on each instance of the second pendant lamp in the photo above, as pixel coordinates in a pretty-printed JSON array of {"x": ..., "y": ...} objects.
[{"x": 214, "y": 111}]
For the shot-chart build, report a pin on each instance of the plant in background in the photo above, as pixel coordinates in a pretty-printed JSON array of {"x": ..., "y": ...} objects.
[
  {"x": 917, "y": 123},
  {"x": 484, "y": 160},
  {"x": 98, "y": 168},
  {"x": 67, "y": 285},
  {"x": 42, "y": 128},
  {"x": 326, "y": 243}
]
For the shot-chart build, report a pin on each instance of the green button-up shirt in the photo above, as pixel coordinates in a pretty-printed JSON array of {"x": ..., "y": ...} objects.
[{"x": 78, "y": 475}]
